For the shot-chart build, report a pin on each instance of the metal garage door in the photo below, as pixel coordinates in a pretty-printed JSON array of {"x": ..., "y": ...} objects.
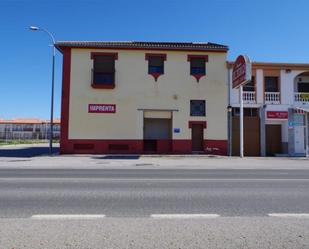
[{"x": 157, "y": 131}]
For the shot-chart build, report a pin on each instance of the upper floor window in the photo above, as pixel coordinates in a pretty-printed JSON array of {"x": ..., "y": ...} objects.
[
  {"x": 303, "y": 87},
  {"x": 198, "y": 65},
  {"x": 197, "y": 108},
  {"x": 17, "y": 127},
  {"x": 28, "y": 127},
  {"x": 155, "y": 64},
  {"x": 103, "y": 73},
  {"x": 271, "y": 84},
  {"x": 250, "y": 86}
]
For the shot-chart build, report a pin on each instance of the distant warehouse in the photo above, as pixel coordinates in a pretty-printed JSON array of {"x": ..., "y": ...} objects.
[
  {"x": 144, "y": 97},
  {"x": 25, "y": 129}
]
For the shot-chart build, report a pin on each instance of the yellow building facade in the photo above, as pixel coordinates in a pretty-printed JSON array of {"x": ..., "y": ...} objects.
[{"x": 151, "y": 97}]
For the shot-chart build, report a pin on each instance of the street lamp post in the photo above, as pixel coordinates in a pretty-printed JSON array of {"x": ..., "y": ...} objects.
[{"x": 34, "y": 28}]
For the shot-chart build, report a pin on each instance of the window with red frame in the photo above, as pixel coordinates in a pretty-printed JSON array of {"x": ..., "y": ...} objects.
[
  {"x": 103, "y": 73},
  {"x": 198, "y": 65},
  {"x": 155, "y": 64}
]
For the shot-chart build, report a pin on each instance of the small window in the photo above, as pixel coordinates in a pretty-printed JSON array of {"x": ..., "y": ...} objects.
[
  {"x": 197, "y": 108},
  {"x": 271, "y": 84},
  {"x": 197, "y": 66},
  {"x": 250, "y": 86},
  {"x": 156, "y": 65},
  {"x": 303, "y": 87},
  {"x": 103, "y": 72},
  {"x": 28, "y": 127}
]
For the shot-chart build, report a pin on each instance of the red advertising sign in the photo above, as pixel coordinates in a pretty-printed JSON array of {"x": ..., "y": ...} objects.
[
  {"x": 277, "y": 115},
  {"x": 241, "y": 73},
  {"x": 101, "y": 108}
]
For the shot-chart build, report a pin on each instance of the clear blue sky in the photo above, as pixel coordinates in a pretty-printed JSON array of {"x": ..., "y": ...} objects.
[{"x": 266, "y": 30}]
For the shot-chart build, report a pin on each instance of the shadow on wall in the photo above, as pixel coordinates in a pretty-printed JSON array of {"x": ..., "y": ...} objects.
[{"x": 27, "y": 151}]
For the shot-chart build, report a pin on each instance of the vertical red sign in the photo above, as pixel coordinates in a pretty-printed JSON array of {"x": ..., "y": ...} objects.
[{"x": 241, "y": 71}]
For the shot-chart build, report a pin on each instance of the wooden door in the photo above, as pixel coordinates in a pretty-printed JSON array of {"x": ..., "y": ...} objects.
[
  {"x": 273, "y": 140},
  {"x": 197, "y": 137},
  {"x": 251, "y": 136}
]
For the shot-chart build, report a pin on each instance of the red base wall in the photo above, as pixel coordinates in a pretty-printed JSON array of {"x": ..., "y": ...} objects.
[{"x": 78, "y": 146}]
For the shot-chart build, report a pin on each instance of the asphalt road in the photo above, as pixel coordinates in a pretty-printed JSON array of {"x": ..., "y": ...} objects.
[
  {"x": 152, "y": 208},
  {"x": 143, "y": 192}
]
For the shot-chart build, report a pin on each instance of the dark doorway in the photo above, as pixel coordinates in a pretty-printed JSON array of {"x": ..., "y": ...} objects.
[
  {"x": 197, "y": 137},
  {"x": 157, "y": 133},
  {"x": 273, "y": 140}
]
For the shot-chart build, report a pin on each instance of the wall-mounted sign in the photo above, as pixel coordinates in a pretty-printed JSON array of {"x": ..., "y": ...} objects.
[
  {"x": 176, "y": 130},
  {"x": 101, "y": 108},
  {"x": 241, "y": 73},
  {"x": 277, "y": 115}
]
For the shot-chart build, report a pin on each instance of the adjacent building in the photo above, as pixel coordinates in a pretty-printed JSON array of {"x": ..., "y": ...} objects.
[
  {"x": 28, "y": 129},
  {"x": 143, "y": 97},
  {"x": 276, "y": 103}
]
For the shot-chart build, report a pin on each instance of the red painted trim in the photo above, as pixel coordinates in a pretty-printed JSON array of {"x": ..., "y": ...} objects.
[
  {"x": 198, "y": 76},
  {"x": 155, "y": 75},
  {"x": 96, "y": 146},
  {"x": 103, "y": 86},
  {"x": 204, "y": 123},
  {"x": 179, "y": 146},
  {"x": 190, "y": 56},
  {"x": 147, "y": 55},
  {"x": 197, "y": 56},
  {"x": 182, "y": 146},
  {"x": 94, "y": 54},
  {"x": 145, "y": 49},
  {"x": 65, "y": 100},
  {"x": 215, "y": 147}
]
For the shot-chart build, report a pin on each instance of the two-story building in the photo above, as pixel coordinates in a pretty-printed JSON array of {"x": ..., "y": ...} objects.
[
  {"x": 140, "y": 97},
  {"x": 276, "y": 105}
]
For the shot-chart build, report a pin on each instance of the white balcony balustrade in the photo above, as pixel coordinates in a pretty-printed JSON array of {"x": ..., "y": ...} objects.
[
  {"x": 301, "y": 98},
  {"x": 249, "y": 97},
  {"x": 272, "y": 98}
]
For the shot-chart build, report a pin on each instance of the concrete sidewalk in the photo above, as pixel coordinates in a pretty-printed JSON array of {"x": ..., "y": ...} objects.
[
  {"x": 15, "y": 159},
  {"x": 36, "y": 156}
]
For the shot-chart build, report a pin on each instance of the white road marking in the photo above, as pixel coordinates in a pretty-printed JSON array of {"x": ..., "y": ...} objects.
[
  {"x": 184, "y": 216},
  {"x": 79, "y": 179},
  {"x": 289, "y": 215},
  {"x": 67, "y": 216}
]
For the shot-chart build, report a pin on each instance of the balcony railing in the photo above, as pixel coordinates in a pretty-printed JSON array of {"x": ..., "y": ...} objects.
[
  {"x": 301, "y": 98},
  {"x": 249, "y": 97},
  {"x": 272, "y": 98}
]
